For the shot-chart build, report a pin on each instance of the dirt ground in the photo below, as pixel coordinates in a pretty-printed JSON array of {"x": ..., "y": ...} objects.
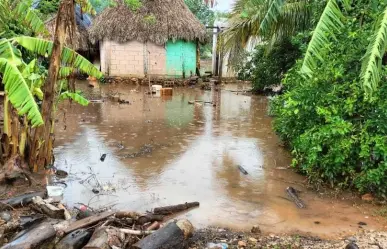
[{"x": 365, "y": 240}]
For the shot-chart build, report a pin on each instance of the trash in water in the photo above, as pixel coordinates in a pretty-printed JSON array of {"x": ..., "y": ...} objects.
[
  {"x": 216, "y": 246},
  {"x": 243, "y": 170},
  {"x": 55, "y": 192},
  {"x": 103, "y": 157}
]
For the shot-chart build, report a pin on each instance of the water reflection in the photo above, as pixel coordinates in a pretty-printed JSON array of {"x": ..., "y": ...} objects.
[{"x": 196, "y": 150}]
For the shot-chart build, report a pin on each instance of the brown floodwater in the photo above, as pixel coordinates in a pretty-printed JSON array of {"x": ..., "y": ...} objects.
[{"x": 165, "y": 151}]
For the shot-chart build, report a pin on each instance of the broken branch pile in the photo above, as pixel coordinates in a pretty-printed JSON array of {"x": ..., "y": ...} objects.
[{"x": 51, "y": 225}]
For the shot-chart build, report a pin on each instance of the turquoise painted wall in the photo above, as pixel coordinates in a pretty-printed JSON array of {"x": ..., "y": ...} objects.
[{"x": 181, "y": 55}]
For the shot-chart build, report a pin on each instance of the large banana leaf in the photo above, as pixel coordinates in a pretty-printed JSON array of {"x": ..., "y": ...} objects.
[
  {"x": 10, "y": 53},
  {"x": 24, "y": 12},
  {"x": 372, "y": 61},
  {"x": 65, "y": 72},
  {"x": 74, "y": 96},
  {"x": 18, "y": 92},
  {"x": 44, "y": 47}
]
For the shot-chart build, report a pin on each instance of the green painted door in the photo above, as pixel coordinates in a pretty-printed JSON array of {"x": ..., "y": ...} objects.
[{"x": 181, "y": 57}]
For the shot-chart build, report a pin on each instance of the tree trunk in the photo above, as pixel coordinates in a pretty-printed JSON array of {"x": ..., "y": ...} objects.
[
  {"x": 173, "y": 235},
  {"x": 41, "y": 153}
]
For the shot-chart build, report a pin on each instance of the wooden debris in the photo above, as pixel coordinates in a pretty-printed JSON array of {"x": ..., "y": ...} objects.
[
  {"x": 22, "y": 199},
  {"x": 135, "y": 232},
  {"x": 154, "y": 226},
  {"x": 45, "y": 207},
  {"x": 33, "y": 237},
  {"x": 127, "y": 214},
  {"x": 242, "y": 170},
  {"x": 88, "y": 221},
  {"x": 28, "y": 221},
  {"x": 67, "y": 214},
  {"x": 106, "y": 238},
  {"x": 166, "y": 91},
  {"x": 293, "y": 194},
  {"x": 175, "y": 208},
  {"x": 171, "y": 236},
  {"x": 75, "y": 240},
  {"x": 149, "y": 218}
]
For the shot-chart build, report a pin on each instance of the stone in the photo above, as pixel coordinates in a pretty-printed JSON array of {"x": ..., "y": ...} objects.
[
  {"x": 367, "y": 197},
  {"x": 6, "y": 216},
  {"x": 255, "y": 229},
  {"x": 253, "y": 240},
  {"x": 241, "y": 244}
]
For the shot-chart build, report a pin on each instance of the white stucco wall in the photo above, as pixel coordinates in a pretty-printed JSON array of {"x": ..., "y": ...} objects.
[{"x": 131, "y": 58}]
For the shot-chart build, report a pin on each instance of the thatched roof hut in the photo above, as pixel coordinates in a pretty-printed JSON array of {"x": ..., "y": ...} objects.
[
  {"x": 81, "y": 41},
  {"x": 156, "y": 21}
]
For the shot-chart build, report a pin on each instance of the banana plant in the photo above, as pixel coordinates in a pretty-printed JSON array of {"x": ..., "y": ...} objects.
[{"x": 20, "y": 10}]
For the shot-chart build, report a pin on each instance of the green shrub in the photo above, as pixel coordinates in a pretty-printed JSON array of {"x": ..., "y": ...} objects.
[
  {"x": 336, "y": 136},
  {"x": 265, "y": 69}
]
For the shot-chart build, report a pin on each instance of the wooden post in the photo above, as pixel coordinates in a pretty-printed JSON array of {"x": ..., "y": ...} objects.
[
  {"x": 221, "y": 55},
  {"x": 216, "y": 73},
  {"x": 197, "y": 58}
]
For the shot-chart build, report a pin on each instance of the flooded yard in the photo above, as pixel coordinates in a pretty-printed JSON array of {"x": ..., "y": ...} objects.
[{"x": 165, "y": 151}]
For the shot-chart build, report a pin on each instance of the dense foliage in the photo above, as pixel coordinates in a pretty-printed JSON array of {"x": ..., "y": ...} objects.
[
  {"x": 336, "y": 133},
  {"x": 207, "y": 17},
  {"x": 267, "y": 68},
  {"x": 47, "y": 8}
]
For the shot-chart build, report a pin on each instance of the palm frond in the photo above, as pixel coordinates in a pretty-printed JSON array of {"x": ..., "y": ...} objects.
[
  {"x": 272, "y": 14},
  {"x": 28, "y": 16},
  {"x": 372, "y": 60},
  {"x": 75, "y": 97},
  {"x": 69, "y": 56},
  {"x": 329, "y": 23},
  {"x": 18, "y": 92},
  {"x": 86, "y": 6}
]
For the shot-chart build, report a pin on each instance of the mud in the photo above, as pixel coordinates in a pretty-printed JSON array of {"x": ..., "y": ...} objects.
[
  {"x": 234, "y": 240},
  {"x": 163, "y": 151}
]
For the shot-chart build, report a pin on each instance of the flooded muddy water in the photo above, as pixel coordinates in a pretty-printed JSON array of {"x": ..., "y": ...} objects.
[{"x": 165, "y": 151}]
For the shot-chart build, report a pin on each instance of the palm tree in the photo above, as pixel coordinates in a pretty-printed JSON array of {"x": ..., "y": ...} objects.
[
  {"x": 272, "y": 20},
  {"x": 267, "y": 21}
]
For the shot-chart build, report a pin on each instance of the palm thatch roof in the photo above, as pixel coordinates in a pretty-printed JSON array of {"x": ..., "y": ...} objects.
[
  {"x": 81, "y": 41},
  {"x": 156, "y": 20}
]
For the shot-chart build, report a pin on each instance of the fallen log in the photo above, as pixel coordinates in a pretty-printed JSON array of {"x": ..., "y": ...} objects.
[
  {"x": 127, "y": 214},
  {"x": 30, "y": 220},
  {"x": 171, "y": 236},
  {"x": 175, "y": 208},
  {"x": 22, "y": 199},
  {"x": 293, "y": 194},
  {"x": 88, "y": 221},
  {"x": 149, "y": 218},
  {"x": 47, "y": 208},
  {"x": 105, "y": 238},
  {"x": 75, "y": 240},
  {"x": 34, "y": 237}
]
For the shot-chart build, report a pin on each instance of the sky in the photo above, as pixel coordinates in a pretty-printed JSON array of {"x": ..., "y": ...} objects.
[{"x": 224, "y": 5}]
